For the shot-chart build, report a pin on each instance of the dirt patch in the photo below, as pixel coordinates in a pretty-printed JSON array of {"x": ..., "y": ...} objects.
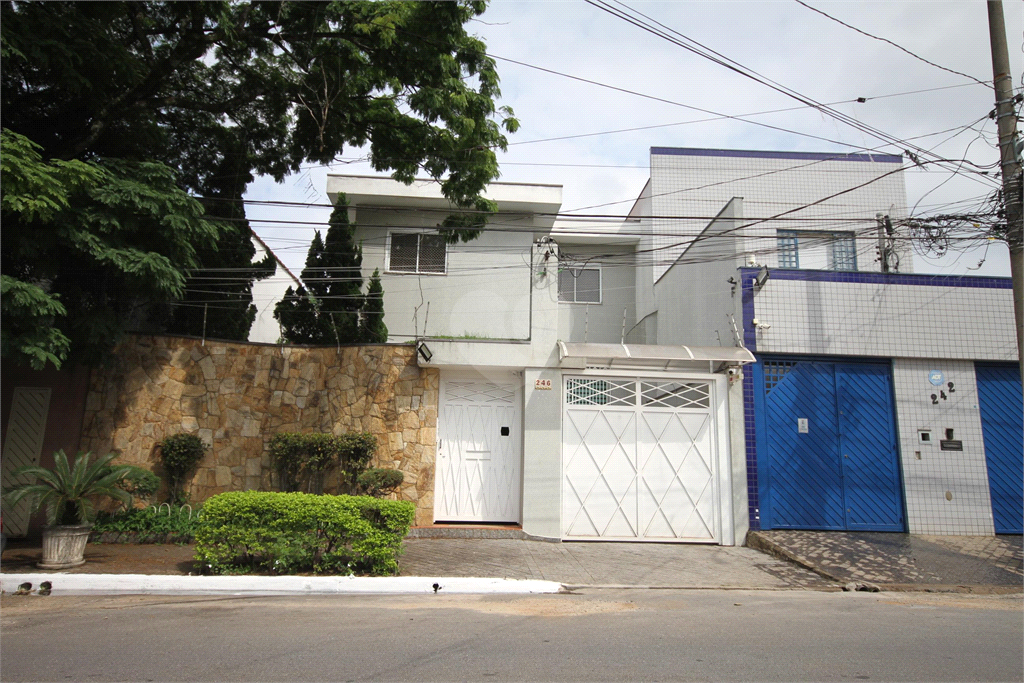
[
  {"x": 107, "y": 558},
  {"x": 933, "y": 600}
]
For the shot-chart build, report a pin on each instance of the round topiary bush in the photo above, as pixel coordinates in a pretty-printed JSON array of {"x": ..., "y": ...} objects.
[
  {"x": 379, "y": 482},
  {"x": 180, "y": 455}
]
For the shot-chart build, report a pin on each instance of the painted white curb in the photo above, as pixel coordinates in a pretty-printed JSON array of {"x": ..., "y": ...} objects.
[{"x": 69, "y": 584}]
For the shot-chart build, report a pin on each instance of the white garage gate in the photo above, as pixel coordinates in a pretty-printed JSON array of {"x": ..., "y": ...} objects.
[{"x": 644, "y": 459}]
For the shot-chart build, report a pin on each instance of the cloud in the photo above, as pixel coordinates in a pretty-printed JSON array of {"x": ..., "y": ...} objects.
[{"x": 783, "y": 41}]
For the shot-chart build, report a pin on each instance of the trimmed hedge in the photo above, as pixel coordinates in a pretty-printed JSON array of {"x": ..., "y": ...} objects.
[{"x": 288, "y": 533}]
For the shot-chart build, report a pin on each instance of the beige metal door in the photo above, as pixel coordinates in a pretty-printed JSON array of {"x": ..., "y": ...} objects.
[{"x": 23, "y": 444}]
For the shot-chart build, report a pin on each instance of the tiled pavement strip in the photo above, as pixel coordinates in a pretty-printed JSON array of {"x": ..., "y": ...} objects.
[
  {"x": 903, "y": 560},
  {"x": 606, "y": 564}
]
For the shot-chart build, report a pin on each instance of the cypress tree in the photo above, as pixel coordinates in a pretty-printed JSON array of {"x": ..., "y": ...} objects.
[
  {"x": 374, "y": 331},
  {"x": 328, "y": 309}
]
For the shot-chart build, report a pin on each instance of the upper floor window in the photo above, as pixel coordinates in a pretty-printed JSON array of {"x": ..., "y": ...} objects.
[
  {"x": 414, "y": 252},
  {"x": 579, "y": 284},
  {"x": 817, "y": 250}
]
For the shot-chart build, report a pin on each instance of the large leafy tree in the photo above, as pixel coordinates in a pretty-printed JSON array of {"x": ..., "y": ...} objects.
[
  {"x": 207, "y": 95},
  {"x": 86, "y": 248},
  {"x": 331, "y": 308}
]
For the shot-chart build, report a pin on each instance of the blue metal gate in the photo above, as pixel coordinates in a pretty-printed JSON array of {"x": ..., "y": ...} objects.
[
  {"x": 1002, "y": 426},
  {"x": 827, "y": 453}
]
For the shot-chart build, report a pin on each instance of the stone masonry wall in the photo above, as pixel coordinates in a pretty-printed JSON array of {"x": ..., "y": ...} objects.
[{"x": 236, "y": 396}]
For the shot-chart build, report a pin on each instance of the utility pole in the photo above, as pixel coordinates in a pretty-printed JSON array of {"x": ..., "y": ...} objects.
[{"x": 1006, "y": 118}]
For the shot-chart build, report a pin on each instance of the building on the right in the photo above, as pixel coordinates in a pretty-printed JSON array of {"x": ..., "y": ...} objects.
[{"x": 882, "y": 400}]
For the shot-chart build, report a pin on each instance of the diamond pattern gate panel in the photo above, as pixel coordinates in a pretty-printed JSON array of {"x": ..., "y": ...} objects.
[
  {"x": 23, "y": 445},
  {"x": 639, "y": 461},
  {"x": 829, "y": 441},
  {"x": 480, "y": 454},
  {"x": 1002, "y": 427},
  {"x": 804, "y": 486},
  {"x": 867, "y": 439}
]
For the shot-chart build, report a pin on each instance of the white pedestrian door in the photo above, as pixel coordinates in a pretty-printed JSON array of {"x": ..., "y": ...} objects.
[
  {"x": 479, "y": 451},
  {"x": 23, "y": 445},
  {"x": 639, "y": 460}
]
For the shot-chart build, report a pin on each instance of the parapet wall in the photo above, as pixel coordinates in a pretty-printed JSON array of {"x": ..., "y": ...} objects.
[{"x": 236, "y": 396}]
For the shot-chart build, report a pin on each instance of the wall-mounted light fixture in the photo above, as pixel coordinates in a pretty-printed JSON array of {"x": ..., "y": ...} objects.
[
  {"x": 762, "y": 277},
  {"x": 424, "y": 352}
]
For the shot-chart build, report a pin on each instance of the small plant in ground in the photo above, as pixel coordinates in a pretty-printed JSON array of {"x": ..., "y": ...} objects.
[
  {"x": 150, "y": 524},
  {"x": 379, "y": 482},
  {"x": 180, "y": 455}
]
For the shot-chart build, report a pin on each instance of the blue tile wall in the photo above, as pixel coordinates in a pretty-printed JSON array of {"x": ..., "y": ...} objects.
[
  {"x": 750, "y": 434},
  {"x": 880, "y": 279}
]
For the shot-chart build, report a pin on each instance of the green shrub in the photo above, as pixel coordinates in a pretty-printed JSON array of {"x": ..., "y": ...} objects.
[
  {"x": 288, "y": 455},
  {"x": 379, "y": 482},
  {"x": 140, "y": 483},
  {"x": 355, "y": 451},
  {"x": 180, "y": 455},
  {"x": 294, "y": 532},
  {"x": 321, "y": 456},
  {"x": 151, "y": 524},
  {"x": 303, "y": 459}
]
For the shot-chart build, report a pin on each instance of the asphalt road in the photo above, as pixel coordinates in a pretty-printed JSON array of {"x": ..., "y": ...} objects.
[{"x": 600, "y": 635}]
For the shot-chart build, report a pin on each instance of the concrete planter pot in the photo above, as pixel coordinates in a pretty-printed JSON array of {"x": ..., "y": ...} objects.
[{"x": 64, "y": 546}]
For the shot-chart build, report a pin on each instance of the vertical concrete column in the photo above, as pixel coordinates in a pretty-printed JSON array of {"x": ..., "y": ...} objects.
[
  {"x": 542, "y": 453},
  {"x": 738, "y": 458}
]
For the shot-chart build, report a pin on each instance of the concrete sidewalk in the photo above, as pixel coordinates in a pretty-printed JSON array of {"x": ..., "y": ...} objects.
[
  {"x": 505, "y": 565},
  {"x": 580, "y": 564},
  {"x": 893, "y": 561},
  {"x": 777, "y": 560}
]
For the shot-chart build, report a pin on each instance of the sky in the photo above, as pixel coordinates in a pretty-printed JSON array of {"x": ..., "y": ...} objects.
[{"x": 783, "y": 40}]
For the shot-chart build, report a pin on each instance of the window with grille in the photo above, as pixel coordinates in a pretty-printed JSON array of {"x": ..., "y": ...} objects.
[
  {"x": 600, "y": 392},
  {"x": 774, "y": 371},
  {"x": 844, "y": 253},
  {"x": 417, "y": 253},
  {"x": 580, "y": 285},
  {"x": 675, "y": 394},
  {"x": 788, "y": 255},
  {"x": 817, "y": 250}
]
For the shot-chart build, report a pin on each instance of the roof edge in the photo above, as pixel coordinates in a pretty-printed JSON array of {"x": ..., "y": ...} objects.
[{"x": 756, "y": 154}]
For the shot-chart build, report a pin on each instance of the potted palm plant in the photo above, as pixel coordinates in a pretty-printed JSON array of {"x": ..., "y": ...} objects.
[{"x": 69, "y": 494}]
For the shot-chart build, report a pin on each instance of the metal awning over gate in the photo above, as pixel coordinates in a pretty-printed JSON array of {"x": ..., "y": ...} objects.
[{"x": 578, "y": 356}]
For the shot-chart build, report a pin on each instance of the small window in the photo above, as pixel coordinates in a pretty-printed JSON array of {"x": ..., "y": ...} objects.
[
  {"x": 844, "y": 253},
  {"x": 820, "y": 250},
  {"x": 580, "y": 285},
  {"x": 417, "y": 253},
  {"x": 788, "y": 255}
]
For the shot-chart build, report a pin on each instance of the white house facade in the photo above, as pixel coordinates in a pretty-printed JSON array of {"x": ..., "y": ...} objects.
[
  {"x": 587, "y": 439},
  {"x": 747, "y": 349}
]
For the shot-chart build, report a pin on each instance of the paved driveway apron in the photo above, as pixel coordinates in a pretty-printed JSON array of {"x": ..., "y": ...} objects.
[
  {"x": 888, "y": 559},
  {"x": 606, "y": 564}
]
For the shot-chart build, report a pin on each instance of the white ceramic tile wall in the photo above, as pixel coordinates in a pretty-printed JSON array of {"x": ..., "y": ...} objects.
[
  {"x": 915, "y": 321},
  {"x": 947, "y": 492},
  {"x": 699, "y": 186}
]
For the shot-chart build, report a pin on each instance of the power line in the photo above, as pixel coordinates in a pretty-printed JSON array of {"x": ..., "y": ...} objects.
[
  {"x": 895, "y": 45},
  {"x": 631, "y": 15}
]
